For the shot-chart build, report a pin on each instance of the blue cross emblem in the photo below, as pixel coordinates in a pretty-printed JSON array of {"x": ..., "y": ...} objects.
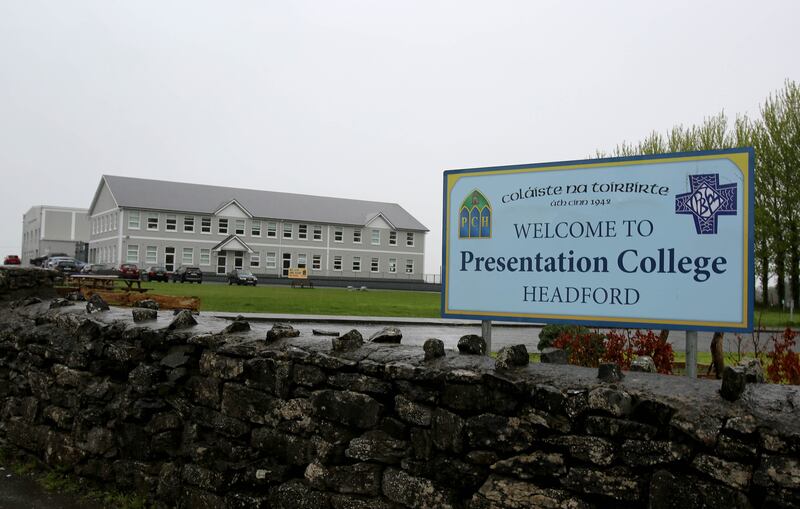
[{"x": 706, "y": 201}]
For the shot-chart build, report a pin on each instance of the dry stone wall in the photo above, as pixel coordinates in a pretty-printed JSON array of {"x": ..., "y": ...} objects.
[{"x": 196, "y": 417}]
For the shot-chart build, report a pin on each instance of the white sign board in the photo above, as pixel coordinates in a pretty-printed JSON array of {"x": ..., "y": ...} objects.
[{"x": 654, "y": 241}]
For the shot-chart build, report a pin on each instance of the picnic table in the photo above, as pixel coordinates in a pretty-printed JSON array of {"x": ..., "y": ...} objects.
[{"x": 97, "y": 282}]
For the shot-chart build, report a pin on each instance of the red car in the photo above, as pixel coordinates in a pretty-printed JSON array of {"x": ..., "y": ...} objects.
[
  {"x": 129, "y": 271},
  {"x": 11, "y": 260}
]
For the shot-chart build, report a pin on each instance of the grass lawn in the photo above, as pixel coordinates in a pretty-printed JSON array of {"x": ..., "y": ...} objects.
[
  {"x": 775, "y": 318},
  {"x": 308, "y": 301}
]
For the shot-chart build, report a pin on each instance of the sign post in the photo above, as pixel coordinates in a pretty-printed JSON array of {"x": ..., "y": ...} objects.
[
  {"x": 486, "y": 333},
  {"x": 691, "y": 353},
  {"x": 650, "y": 242}
]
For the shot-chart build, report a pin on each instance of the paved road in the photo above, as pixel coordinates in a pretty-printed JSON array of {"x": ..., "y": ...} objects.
[{"x": 417, "y": 330}]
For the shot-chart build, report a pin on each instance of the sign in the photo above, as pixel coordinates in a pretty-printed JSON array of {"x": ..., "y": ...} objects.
[
  {"x": 298, "y": 273},
  {"x": 660, "y": 241}
]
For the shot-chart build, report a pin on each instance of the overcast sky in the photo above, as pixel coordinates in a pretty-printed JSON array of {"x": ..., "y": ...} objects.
[{"x": 358, "y": 99}]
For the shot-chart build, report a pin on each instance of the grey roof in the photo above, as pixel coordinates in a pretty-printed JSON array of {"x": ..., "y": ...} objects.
[{"x": 203, "y": 199}]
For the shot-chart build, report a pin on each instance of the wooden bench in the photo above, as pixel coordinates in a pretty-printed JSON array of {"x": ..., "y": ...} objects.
[{"x": 299, "y": 278}]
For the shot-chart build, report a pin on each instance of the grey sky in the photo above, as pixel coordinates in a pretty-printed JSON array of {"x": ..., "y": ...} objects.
[{"x": 360, "y": 99}]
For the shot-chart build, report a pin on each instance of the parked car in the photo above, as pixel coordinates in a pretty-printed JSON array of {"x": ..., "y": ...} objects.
[
  {"x": 100, "y": 269},
  {"x": 11, "y": 260},
  {"x": 188, "y": 274},
  {"x": 66, "y": 266},
  {"x": 129, "y": 271},
  {"x": 241, "y": 277},
  {"x": 157, "y": 273}
]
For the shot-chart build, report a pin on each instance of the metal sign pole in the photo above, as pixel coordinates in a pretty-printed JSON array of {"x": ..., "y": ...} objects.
[
  {"x": 486, "y": 333},
  {"x": 691, "y": 353}
]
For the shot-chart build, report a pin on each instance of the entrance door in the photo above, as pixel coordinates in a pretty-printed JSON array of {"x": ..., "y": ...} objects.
[
  {"x": 287, "y": 263},
  {"x": 221, "y": 263},
  {"x": 238, "y": 259},
  {"x": 169, "y": 259}
]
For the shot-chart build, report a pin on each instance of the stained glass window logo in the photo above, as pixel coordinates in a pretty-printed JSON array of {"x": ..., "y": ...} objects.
[{"x": 475, "y": 217}]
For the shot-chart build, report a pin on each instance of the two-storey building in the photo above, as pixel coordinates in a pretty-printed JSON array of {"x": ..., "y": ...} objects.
[
  {"x": 152, "y": 222},
  {"x": 50, "y": 229}
]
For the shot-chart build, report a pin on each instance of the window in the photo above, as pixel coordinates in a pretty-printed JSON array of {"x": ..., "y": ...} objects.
[
  {"x": 187, "y": 258},
  {"x": 255, "y": 228},
  {"x": 255, "y": 261},
  {"x": 301, "y": 261},
  {"x": 356, "y": 264},
  {"x": 222, "y": 226},
  {"x": 410, "y": 239},
  {"x": 409, "y": 266},
  {"x": 376, "y": 237},
  {"x": 287, "y": 230},
  {"x": 152, "y": 222},
  {"x": 240, "y": 227},
  {"x": 133, "y": 219},
  {"x": 316, "y": 262},
  {"x": 317, "y": 232},
  {"x": 338, "y": 234},
  {"x": 272, "y": 261},
  {"x": 205, "y": 225},
  {"x": 272, "y": 230},
  {"x": 151, "y": 254},
  {"x": 337, "y": 263},
  {"x": 205, "y": 256},
  {"x": 374, "y": 266},
  {"x": 357, "y": 235},
  {"x": 302, "y": 231},
  {"x": 172, "y": 223},
  {"x": 392, "y": 265},
  {"x": 133, "y": 254},
  {"x": 392, "y": 238},
  {"x": 188, "y": 224}
]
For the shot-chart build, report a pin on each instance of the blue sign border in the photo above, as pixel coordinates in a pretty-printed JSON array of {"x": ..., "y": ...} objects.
[{"x": 595, "y": 322}]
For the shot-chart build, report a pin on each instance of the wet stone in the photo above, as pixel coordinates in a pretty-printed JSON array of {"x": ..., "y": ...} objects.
[
  {"x": 321, "y": 332},
  {"x": 346, "y": 407},
  {"x": 500, "y": 492},
  {"x": 529, "y": 466},
  {"x": 144, "y": 314},
  {"x": 280, "y": 331},
  {"x": 433, "y": 348},
  {"x": 60, "y": 303},
  {"x": 96, "y": 303},
  {"x": 377, "y": 446},
  {"x": 553, "y": 356},
  {"x": 349, "y": 341},
  {"x": 412, "y": 412},
  {"x": 147, "y": 304},
  {"x": 612, "y": 427},
  {"x": 644, "y": 364},
  {"x": 618, "y": 483},
  {"x": 472, "y": 344},
  {"x": 592, "y": 449},
  {"x": 609, "y": 373},
  {"x": 616, "y": 403},
  {"x": 387, "y": 335},
  {"x": 648, "y": 453},
  {"x": 512, "y": 356},
  {"x": 735, "y": 475},
  {"x": 239, "y": 324},
  {"x": 183, "y": 320},
  {"x": 411, "y": 491}
]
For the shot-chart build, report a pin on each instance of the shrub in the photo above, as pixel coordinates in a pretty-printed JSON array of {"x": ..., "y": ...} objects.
[
  {"x": 587, "y": 348},
  {"x": 784, "y": 365},
  {"x": 583, "y": 348},
  {"x": 551, "y": 332}
]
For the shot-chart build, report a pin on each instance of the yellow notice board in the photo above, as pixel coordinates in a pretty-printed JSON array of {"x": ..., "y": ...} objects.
[{"x": 298, "y": 273}]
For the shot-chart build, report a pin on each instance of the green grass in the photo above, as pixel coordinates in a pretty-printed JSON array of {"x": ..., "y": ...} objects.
[
  {"x": 776, "y": 318},
  {"x": 312, "y": 301},
  {"x": 340, "y": 301}
]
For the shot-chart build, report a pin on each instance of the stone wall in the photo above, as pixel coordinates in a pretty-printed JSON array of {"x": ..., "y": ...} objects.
[{"x": 197, "y": 417}]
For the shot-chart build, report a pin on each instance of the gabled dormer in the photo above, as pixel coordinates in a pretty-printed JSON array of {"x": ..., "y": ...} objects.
[
  {"x": 233, "y": 209},
  {"x": 379, "y": 221},
  {"x": 232, "y": 243}
]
